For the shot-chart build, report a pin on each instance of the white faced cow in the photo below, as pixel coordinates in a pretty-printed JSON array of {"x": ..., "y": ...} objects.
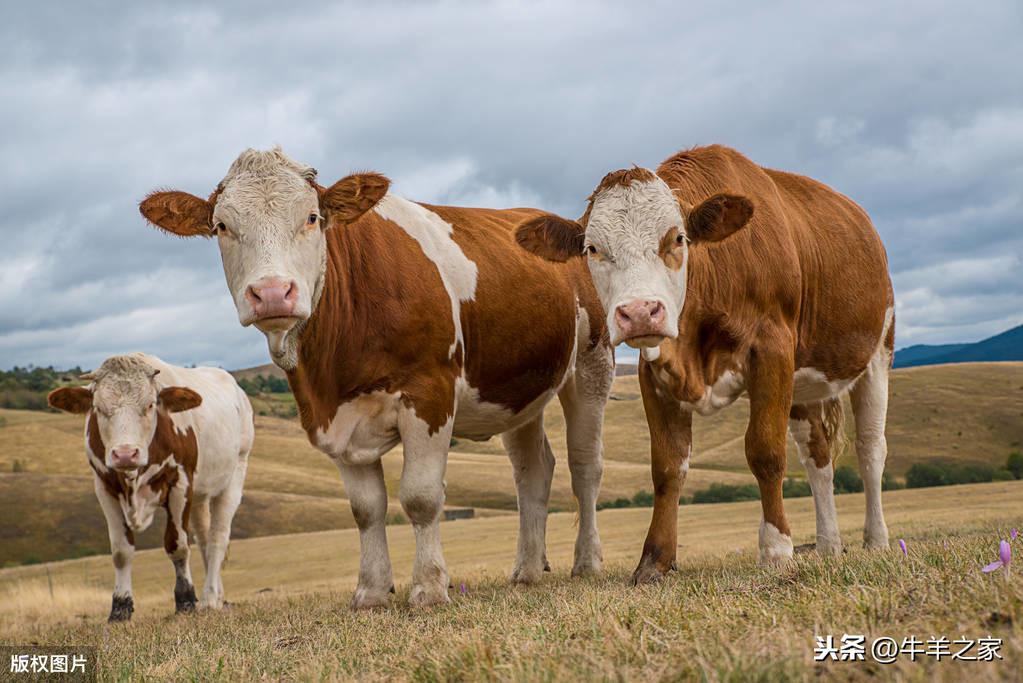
[
  {"x": 398, "y": 321},
  {"x": 157, "y": 436},
  {"x": 795, "y": 308}
]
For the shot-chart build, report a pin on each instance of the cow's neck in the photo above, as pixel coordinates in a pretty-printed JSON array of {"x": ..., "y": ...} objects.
[{"x": 334, "y": 354}]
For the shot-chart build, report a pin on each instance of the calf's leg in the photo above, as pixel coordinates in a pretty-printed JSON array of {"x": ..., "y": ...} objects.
[
  {"x": 533, "y": 467},
  {"x": 222, "y": 510},
  {"x": 175, "y": 543},
  {"x": 122, "y": 550}
]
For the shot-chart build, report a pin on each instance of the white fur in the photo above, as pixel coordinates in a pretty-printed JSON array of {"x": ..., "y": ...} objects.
[
  {"x": 626, "y": 225},
  {"x": 224, "y": 433},
  {"x": 362, "y": 429},
  {"x": 870, "y": 408},
  {"x": 434, "y": 235},
  {"x": 533, "y": 468},
  {"x": 775, "y": 547},
  {"x": 810, "y": 385},
  {"x": 821, "y": 479}
]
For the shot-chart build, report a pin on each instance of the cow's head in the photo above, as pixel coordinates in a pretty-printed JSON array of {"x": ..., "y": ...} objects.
[
  {"x": 635, "y": 236},
  {"x": 124, "y": 398},
  {"x": 270, "y": 217}
]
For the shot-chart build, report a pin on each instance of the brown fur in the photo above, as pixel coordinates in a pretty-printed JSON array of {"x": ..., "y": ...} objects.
[{"x": 804, "y": 284}]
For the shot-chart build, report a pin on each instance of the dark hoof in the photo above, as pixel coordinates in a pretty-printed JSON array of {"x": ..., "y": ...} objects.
[
  {"x": 184, "y": 598},
  {"x": 647, "y": 572},
  {"x": 121, "y": 608},
  {"x": 546, "y": 565}
]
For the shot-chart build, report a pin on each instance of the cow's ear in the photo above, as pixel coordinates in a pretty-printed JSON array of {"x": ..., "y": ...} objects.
[
  {"x": 717, "y": 217},
  {"x": 76, "y": 400},
  {"x": 354, "y": 195},
  {"x": 552, "y": 237},
  {"x": 176, "y": 399},
  {"x": 178, "y": 213}
]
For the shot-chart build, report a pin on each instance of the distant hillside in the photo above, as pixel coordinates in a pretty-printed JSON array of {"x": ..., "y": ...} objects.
[
  {"x": 268, "y": 370},
  {"x": 1005, "y": 346}
]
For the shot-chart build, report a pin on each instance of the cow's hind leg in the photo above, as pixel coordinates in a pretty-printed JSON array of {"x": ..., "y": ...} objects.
[
  {"x": 122, "y": 550},
  {"x": 365, "y": 488},
  {"x": 582, "y": 399},
  {"x": 222, "y": 509},
  {"x": 813, "y": 427},
  {"x": 200, "y": 523},
  {"x": 870, "y": 408},
  {"x": 533, "y": 466}
]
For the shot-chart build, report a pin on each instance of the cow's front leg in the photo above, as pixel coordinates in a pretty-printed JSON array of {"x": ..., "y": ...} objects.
[
  {"x": 770, "y": 395},
  {"x": 364, "y": 485},
  {"x": 175, "y": 542},
  {"x": 426, "y": 446},
  {"x": 533, "y": 467},
  {"x": 122, "y": 550},
  {"x": 671, "y": 437}
]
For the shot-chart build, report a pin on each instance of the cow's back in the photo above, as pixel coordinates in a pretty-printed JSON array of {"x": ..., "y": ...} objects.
[
  {"x": 810, "y": 256},
  {"x": 223, "y": 422}
]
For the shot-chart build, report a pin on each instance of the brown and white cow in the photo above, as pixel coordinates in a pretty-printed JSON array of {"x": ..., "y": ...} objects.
[
  {"x": 794, "y": 309},
  {"x": 404, "y": 322},
  {"x": 157, "y": 436}
]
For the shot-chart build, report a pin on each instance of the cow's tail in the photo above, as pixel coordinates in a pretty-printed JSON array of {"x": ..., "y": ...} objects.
[{"x": 833, "y": 419}]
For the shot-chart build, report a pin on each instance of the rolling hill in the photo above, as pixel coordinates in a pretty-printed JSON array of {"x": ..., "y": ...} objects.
[
  {"x": 1007, "y": 346},
  {"x": 963, "y": 413}
]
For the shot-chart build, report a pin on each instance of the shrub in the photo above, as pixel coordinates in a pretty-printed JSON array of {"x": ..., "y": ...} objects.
[
  {"x": 847, "y": 480},
  {"x": 945, "y": 474},
  {"x": 796, "y": 488},
  {"x": 1003, "y": 475},
  {"x": 17, "y": 466},
  {"x": 643, "y": 499},
  {"x": 726, "y": 493},
  {"x": 924, "y": 474},
  {"x": 890, "y": 483},
  {"x": 1015, "y": 464}
]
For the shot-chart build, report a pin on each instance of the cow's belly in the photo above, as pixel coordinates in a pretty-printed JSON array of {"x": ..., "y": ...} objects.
[
  {"x": 479, "y": 420},
  {"x": 810, "y": 385}
]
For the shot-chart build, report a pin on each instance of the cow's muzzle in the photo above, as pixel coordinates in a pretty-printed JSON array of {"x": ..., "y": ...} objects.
[{"x": 641, "y": 323}]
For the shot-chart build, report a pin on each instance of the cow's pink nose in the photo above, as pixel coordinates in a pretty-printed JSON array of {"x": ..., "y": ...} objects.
[
  {"x": 641, "y": 318},
  {"x": 125, "y": 456},
  {"x": 272, "y": 298}
]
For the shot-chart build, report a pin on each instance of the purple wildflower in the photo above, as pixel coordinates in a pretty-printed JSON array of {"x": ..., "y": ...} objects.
[
  {"x": 902, "y": 547},
  {"x": 1013, "y": 534},
  {"x": 463, "y": 589},
  {"x": 1003, "y": 561}
]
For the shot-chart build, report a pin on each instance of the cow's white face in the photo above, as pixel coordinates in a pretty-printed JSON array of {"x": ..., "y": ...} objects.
[
  {"x": 124, "y": 398},
  {"x": 636, "y": 239},
  {"x": 637, "y": 253},
  {"x": 270, "y": 217}
]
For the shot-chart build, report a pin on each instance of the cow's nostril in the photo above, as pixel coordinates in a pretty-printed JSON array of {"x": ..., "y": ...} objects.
[
  {"x": 253, "y": 294},
  {"x": 621, "y": 314},
  {"x": 657, "y": 309},
  {"x": 292, "y": 292}
]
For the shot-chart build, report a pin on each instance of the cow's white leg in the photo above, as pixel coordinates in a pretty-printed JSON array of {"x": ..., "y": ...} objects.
[
  {"x": 870, "y": 408},
  {"x": 223, "y": 507},
  {"x": 175, "y": 543},
  {"x": 200, "y": 525},
  {"x": 122, "y": 551},
  {"x": 582, "y": 400},
  {"x": 807, "y": 431},
  {"x": 422, "y": 498},
  {"x": 364, "y": 485},
  {"x": 533, "y": 467}
]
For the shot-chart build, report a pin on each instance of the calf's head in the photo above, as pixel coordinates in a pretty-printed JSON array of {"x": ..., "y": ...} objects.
[
  {"x": 635, "y": 235},
  {"x": 124, "y": 398},
  {"x": 269, "y": 217}
]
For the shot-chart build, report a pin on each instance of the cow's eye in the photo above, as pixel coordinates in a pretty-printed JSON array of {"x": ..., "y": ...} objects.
[
  {"x": 312, "y": 219},
  {"x": 591, "y": 250},
  {"x": 219, "y": 227},
  {"x": 680, "y": 238}
]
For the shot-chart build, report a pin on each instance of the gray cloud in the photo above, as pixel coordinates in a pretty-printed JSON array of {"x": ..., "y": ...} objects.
[{"x": 916, "y": 114}]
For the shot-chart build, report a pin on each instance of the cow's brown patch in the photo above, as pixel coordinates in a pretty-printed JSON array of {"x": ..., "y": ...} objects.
[{"x": 672, "y": 249}]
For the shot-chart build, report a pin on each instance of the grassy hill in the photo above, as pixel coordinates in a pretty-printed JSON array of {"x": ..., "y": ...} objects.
[
  {"x": 720, "y": 617},
  {"x": 1006, "y": 346},
  {"x": 962, "y": 413}
]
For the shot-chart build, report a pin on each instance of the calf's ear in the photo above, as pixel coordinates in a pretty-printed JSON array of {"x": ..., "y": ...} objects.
[
  {"x": 717, "y": 217},
  {"x": 552, "y": 237},
  {"x": 176, "y": 399},
  {"x": 178, "y": 213},
  {"x": 349, "y": 198},
  {"x": 76, "y": 400}
]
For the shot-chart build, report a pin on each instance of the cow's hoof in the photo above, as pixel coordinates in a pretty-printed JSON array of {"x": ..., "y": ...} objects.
[
  {"x": 121, "y": 608},
  {"x": 184, "y": 598},
  {"x": 428, "y": 596},
  {"x": 876, "y": 541},
  {"x": 212, "y": 602},
  {"x": 646, "y": 573},
  {"x": 368, "y": 598},
  {"x": 590, "y": 567},
  {"x": 829, "y": 547},
  {"x": 526, "y": 576}
]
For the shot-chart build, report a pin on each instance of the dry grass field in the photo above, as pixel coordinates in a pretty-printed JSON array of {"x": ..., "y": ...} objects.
[
  {"x": 720, "y": 617},
  {"x": 291, "y": 487}
]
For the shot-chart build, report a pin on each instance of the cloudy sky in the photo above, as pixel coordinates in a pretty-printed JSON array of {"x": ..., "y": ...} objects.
[{"x": 913, "y": 109}]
